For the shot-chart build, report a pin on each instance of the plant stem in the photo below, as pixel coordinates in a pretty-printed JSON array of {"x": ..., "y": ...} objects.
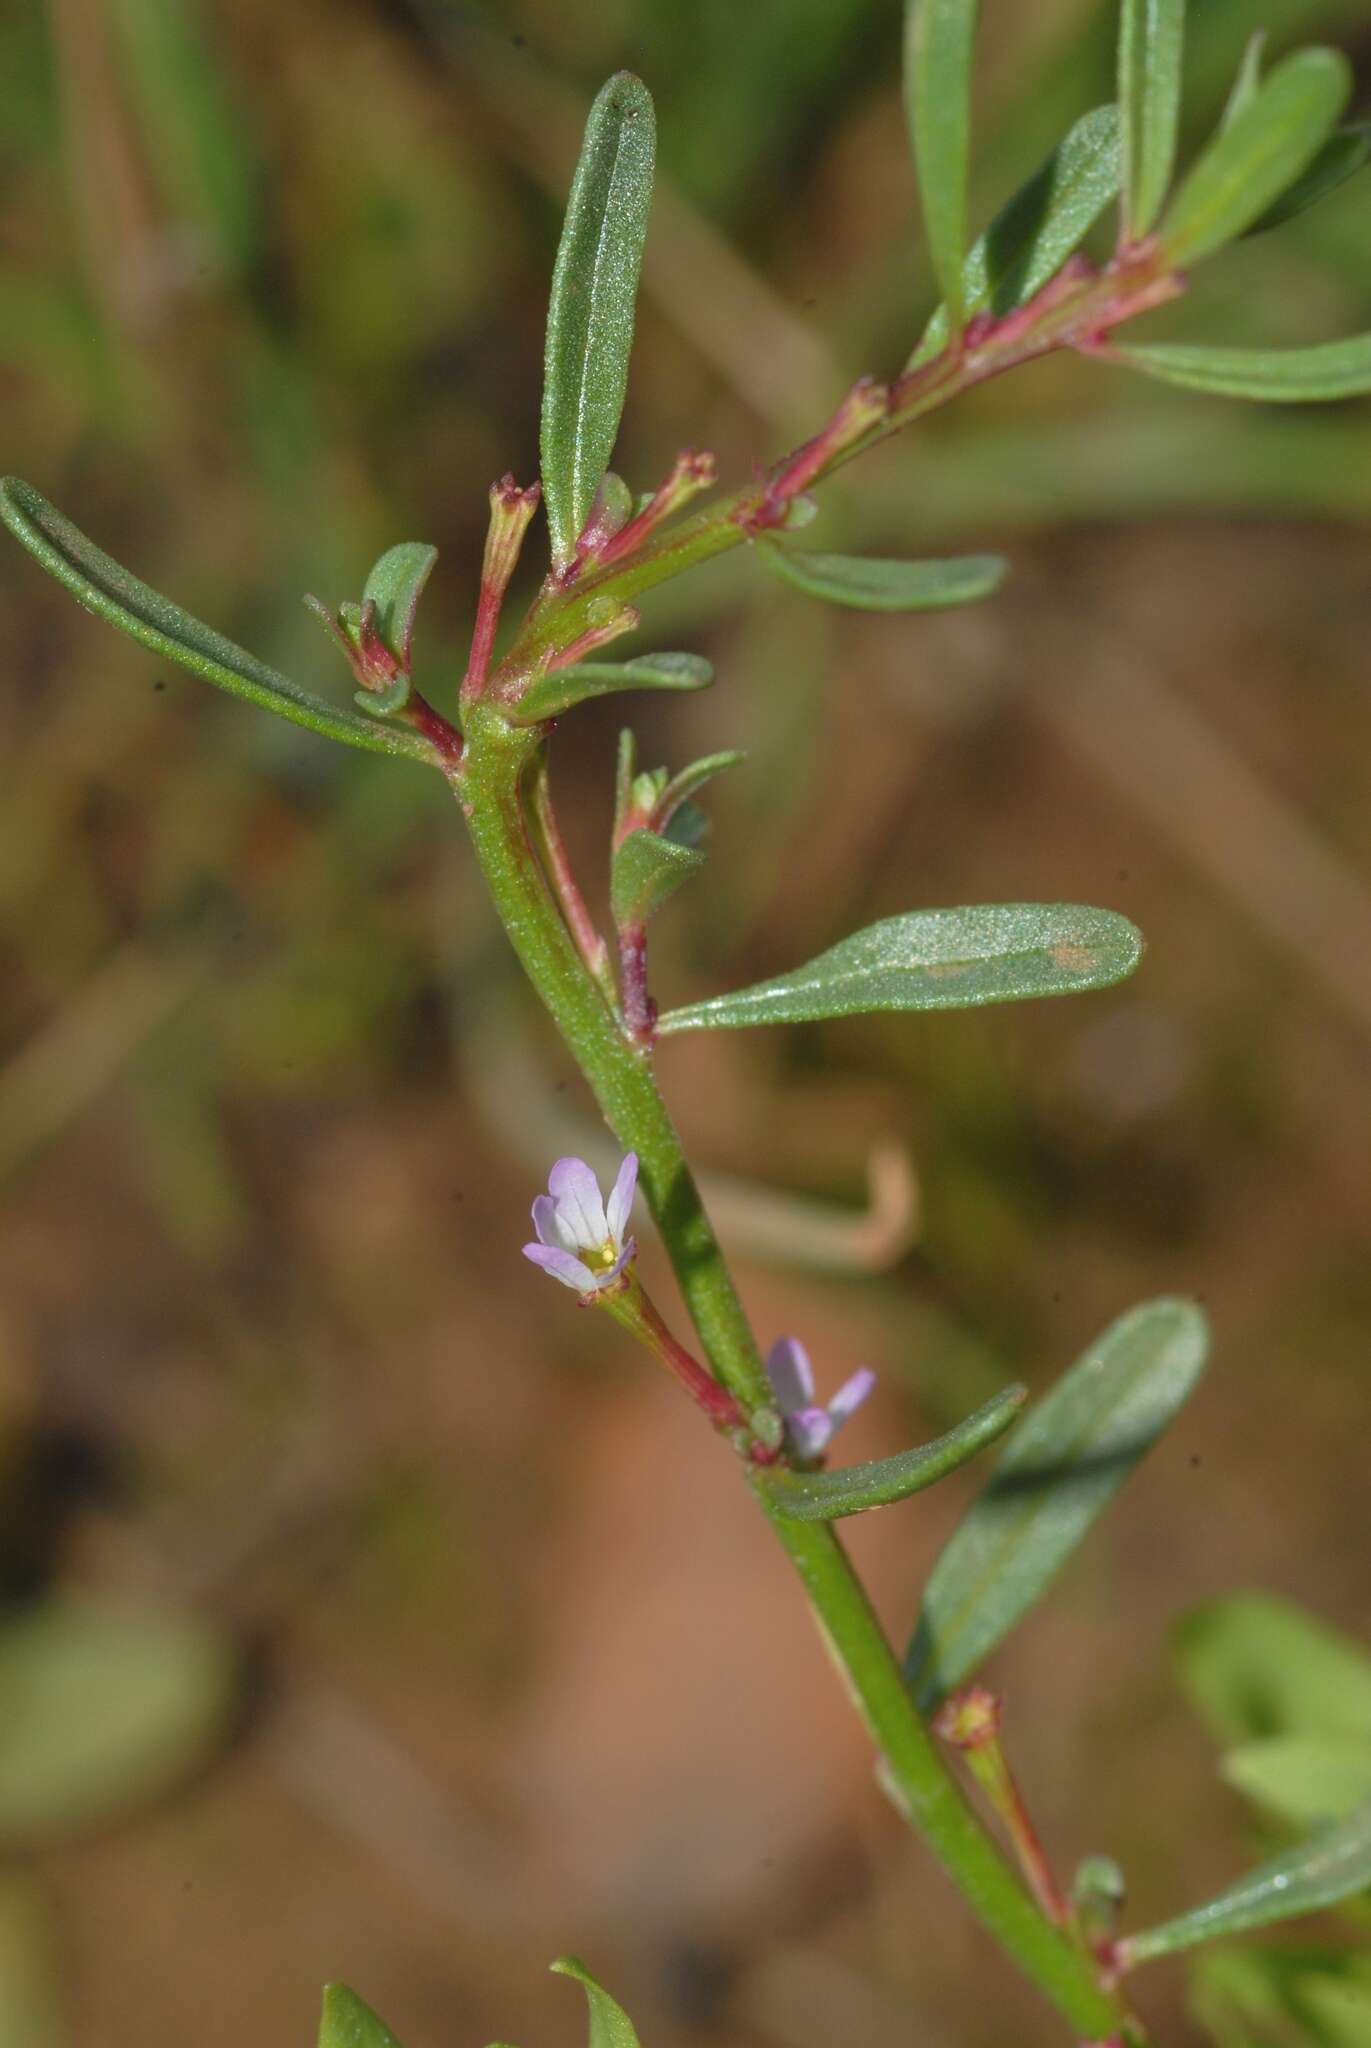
[{"x": 621, "y": 1077}]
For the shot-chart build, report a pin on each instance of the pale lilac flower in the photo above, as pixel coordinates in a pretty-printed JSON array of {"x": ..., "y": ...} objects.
[
  {"x": 581, "y": 1239},
  {"x": 809, "y": 1428}
]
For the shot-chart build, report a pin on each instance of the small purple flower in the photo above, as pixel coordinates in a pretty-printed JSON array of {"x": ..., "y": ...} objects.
[
  {"x": 809, "y": 1428},
  {"x": 581, "y": 1239}
]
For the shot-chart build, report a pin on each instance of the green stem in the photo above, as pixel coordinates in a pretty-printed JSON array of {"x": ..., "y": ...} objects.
[{"x": 620, "y": 1075}]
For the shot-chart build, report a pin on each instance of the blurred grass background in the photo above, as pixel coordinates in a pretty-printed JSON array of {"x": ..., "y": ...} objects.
[{"x": 273, "y": 1103}]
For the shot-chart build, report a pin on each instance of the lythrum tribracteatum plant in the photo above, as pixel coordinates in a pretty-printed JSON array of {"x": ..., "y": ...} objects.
[{"x": 1025, "y": 288}]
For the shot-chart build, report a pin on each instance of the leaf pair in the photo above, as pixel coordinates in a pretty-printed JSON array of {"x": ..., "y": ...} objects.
[{"x": 348, "y": 2022}]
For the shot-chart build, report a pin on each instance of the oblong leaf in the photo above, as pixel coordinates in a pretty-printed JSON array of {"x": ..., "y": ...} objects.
[
  {"x": 550, "y": 695},
  {"x": 348, "y": 2022},
  {"x": 826, "y": 1496},
  {"x": 1032, "y": 235},
  {"x": 1328, "y": 1866},
  {"x": 1339, "y": 159},
  {"x": 1273, "y": 376},
  {"x": 103, "y": 587},
  {"x": 1267, "y": 145},
  {"x": 610, "y": 2025},
  {"x": 939, "y": 36},
  {"x": 1306, "y": 1779},
  {"x": 874, "y": 584},
  {"x": 164, "y": 1684},
  {"x": 1151, "y": 40},
  {"x": 590, "y": 314},
  {"x": 646, "y": 872},
  {"x": 936, "y": 960},
  {"x": 395, "y": 585},
  {"x": 1253, "y": 1665},
  {"x": 1060, "y": 1470}
]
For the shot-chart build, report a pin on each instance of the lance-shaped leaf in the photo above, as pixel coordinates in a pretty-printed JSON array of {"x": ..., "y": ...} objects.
[
  {"x": 1273, "y": 376},
  {"x": 347, "y": 2022},
  {"x": 1305, "y": 1779},
  {"x": 1328, "y": 1866},
  {"x": 1059, "y": 1471},
  {"x": 112, "y": 593},
  {"x": 395, "y": 585},
  {"x": 590, "y": 315},
  {"x": 646, "y": 872},
  {"x": 1247, "y": 84},
  {"x": 1151, "y": 39},
  {"x": 937, "y": 960},
  {"x": 1254, "y": 1665},
  {"x": 1046, "y": 221},
  {"x": 1339, "y": 159},
  {"x": 684, "y": 784},
  {"x": 873, "y": 584},
  {"x": 555, "y": 693},
  {"x": 1265, "y": 147},
  {"x": 610, "y": 2025},
  {"x": 939, "y": 36},
  {"x": 826, "y": 1496}
]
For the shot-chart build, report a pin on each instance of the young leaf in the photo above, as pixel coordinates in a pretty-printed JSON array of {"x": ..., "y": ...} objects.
[
  {"x": 1273, "y": 376},
  {"x": 590, "y": 315},
  {"x": 1328, "y": 1866},
  {"x": 1253, "y": 1666},
  {"x": 1046, "y": 221},
  {"x": 683, "y": 785},
  {"x": 610, "y": 2025},
  {"x": 348, "y": 2023},
  {"x": 1061, "y": 1469},
  {"x": 647, "y": 871},
  {"x": 1258, "y": 156},
  {"x": 876, "y": 585},
  {"x": 103, "y": 587},
  {"x": 1339, "y": 159},
  {"x": 939, "y": 35},
  {"x": 936, "y": 960},
  {"x": 825, "y": 1496},
  {"x": 1306, "y": 1779},
  {"x": 1151, "y": 38},
  {"x": 1247, "y": 84},
  {"x": 395, "y": 586},
  {"x": 555, "y": 693}
]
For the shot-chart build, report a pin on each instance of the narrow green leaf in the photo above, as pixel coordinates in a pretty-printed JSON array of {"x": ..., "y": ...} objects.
[
  {"x": 347, "y": 2022},
  {"x": 936, "y": 960},
  {"x": 1060, "y": 1470},
  {"x": 646, "y": 873},
  {"x": 590, "y": 316},
  {"x": 610, "y": 2025},
  {"x": 166, "y": 1686},
  {"x": 1306, "y": 1779},
  {"x": 1339, "y": 159},
  {"x": 873, "y": 584},
  {"x": 1046, "y": 221},
  {"x": 1151, "y": 40},
  {"x": 395, "y": 585},
  {"x": 683, "y": 785},
  {"x": 1253, "y": 1665},
  {"x": 1328, "y": 1866},
  {"x": 553, "y": 694},
  {"x": 825, "y": 1496},
  {"x": 113, "y": 594},
  {"x": 939, "y": 37},
  {"x": 1248, "y": 81},
  {"x": 1262, "y": 151},
  {"x": 1272, "y": 376}
]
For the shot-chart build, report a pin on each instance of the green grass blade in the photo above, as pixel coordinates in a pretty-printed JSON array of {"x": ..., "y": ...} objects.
[
  {"x": 1151, "y": 42},
  {"x": 1059, "y": 1472},
  {"x": 878, "y": 585},
  {"x": 347, "y": 2022},
  {"x": 553, "y": 694},
  {"x": 826, "y": 1496},
  {"x": 590, "y": 315},
  {"x": 1274, "y": 376},
  {"x": 98, "y": 583},
  {"x": 1032, "y": 235},
  {"x": 936, "y": 960},
  {"x": 939, "y": 36},
  {"x": 1267, "y": 145},
  {"x": 610, "y": 2025},
  {"x": 1331, "y": 1865}
]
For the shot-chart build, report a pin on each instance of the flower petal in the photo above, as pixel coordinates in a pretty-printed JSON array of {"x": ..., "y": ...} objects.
[
  {"x": 545, "y": 1219},
  {"x": 620, "y": 1204},
  {"x": 562, "y": 1266},
  {"x": 791, "y": 1374},
  {"x": 810, "y": 1431},
  {"x": 579, "y": 1206},
  {"x": 851, "y": 1395}
]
